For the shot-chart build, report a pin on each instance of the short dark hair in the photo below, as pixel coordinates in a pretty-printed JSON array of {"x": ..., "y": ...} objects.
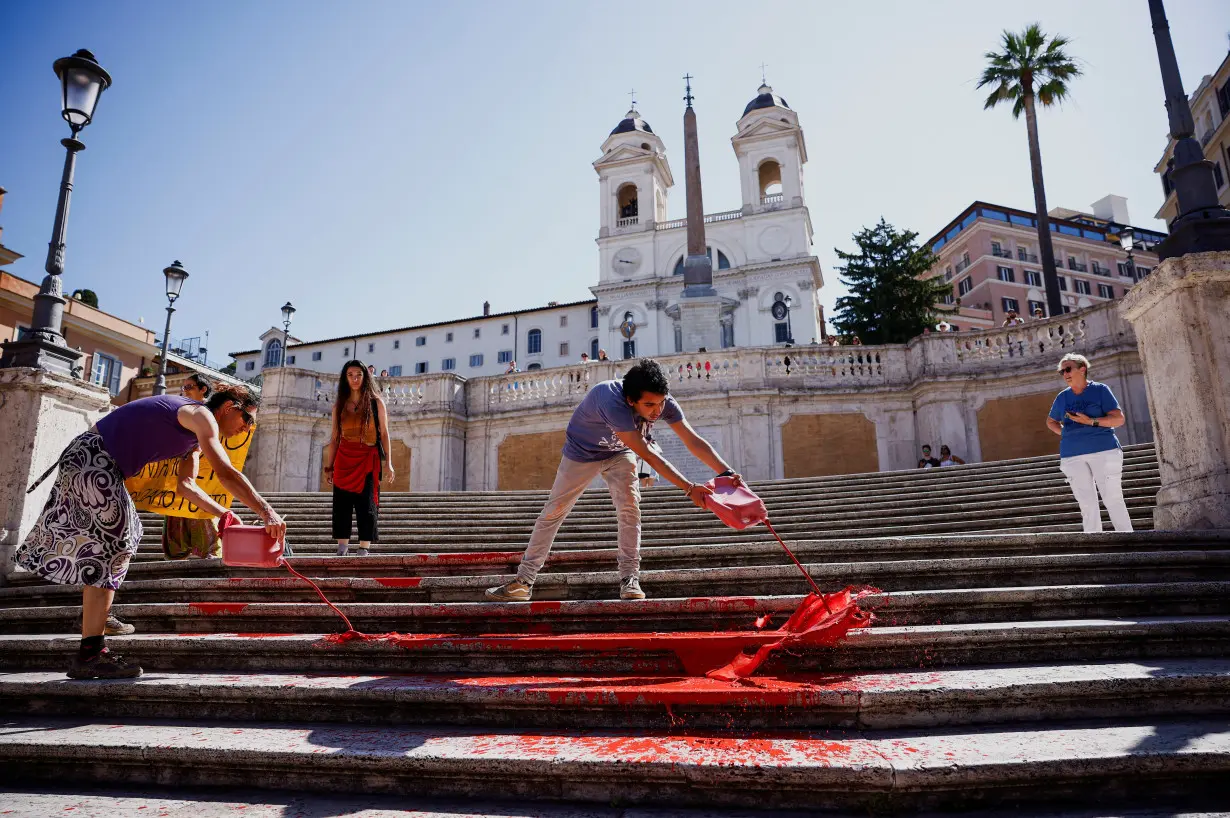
[
  {"x": 202, "y": 384},
  {"x": 232, "y": 393},
  {"x": 646, "y": 376}
]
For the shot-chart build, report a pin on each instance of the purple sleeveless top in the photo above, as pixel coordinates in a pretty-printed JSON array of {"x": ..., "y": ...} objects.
[{"x": 146, "y": 431}]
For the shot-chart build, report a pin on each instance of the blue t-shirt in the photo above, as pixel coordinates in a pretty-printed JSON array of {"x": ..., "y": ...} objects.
[
  {"x": 1097, "y": 401},
  {"x": 604, "y": 411}
]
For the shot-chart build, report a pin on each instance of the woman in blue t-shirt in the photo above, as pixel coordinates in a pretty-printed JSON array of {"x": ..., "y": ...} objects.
[{"x": 1085, "y": 416}]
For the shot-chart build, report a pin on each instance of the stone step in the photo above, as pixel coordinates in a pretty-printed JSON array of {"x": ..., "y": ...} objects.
[
  {"x": 665, "y": 500},
  {"x": 989, "y": 500},
  {"x": 865, "y": 701},
  {"x": 1187, "y": 565},
  {"x": 920, "y": 483},
  {"x": 297, "y": 609},
  {"x": 652, "y": 654},
  {"x": 568, "y": 557},
  {"x": 571, "y": 557},
  {"x": 1134, "y": 456},
  {"x": 995, "y": 766},
  {"x": 458, "y": 538}
]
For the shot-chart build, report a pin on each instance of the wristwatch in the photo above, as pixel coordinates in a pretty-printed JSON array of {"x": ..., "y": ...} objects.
[
  {"x": 727, "y": 473},
  {"x": 1095, "y": 424}
]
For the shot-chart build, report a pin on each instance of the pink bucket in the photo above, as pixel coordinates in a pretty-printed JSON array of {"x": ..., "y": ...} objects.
[
  {"x": 248, "y": 546},
  {"x": 737, "y": 506}
]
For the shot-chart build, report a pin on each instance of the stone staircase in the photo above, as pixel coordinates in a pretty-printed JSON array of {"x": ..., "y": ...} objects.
[{"x": 1013, "y": 662}]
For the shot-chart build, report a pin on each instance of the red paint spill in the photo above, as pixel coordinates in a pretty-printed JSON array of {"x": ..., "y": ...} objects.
[
  {"x": 725, "y": 654},
  {"x": 545, "y": 607},
  {"x": 399, "y": 582},
  {"x": 761, "y": 621},
  {"x": 218, "y": 607},
  {"x": 820, "y": 620}
]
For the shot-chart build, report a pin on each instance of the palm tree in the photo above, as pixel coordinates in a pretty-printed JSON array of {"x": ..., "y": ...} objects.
[{"x": 1031, "y": 69}]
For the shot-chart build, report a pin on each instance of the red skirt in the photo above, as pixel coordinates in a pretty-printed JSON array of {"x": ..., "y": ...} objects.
[{"x": 352, "y": 463}]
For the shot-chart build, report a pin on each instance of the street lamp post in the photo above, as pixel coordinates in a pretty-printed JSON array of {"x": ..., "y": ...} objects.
[
  {"x": 82, "y": 81},
  {"x": 1202, "y": 224},
  {"x": 1128, "y": 242},
  {"x": 288, "y": 312},
  {"x": 175, "y": 275},
  {"x": 789, "y": 325}
]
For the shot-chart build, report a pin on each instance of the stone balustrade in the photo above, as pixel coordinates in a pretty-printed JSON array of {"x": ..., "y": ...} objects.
[{"x": 1029, "y": 346}]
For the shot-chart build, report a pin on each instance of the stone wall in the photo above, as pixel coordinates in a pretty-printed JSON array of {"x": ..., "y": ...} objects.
[
  {"x": 1016, "y": 427},
  {"x": 818, "y": 445},
  {"x": 529, "y": 461},
  {"x": 772, "y": 412},
  {"x": 40, "y": 414}
]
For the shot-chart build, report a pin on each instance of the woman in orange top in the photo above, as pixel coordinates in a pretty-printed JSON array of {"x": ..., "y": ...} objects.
[{"x": 357, "y": 455}]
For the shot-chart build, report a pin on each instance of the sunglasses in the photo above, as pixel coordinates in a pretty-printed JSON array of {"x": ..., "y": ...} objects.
[
  {"x": 245, "y": 414},
  {"x": 1068, "y": 369}
]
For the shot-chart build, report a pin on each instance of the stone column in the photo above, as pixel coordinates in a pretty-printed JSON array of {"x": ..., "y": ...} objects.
[
  {"x": 1181, "y": 315},
  {"x": 40, "y": 413}
]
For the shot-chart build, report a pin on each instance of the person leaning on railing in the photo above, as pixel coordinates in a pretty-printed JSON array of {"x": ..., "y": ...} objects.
[{"x": 1085, "y": 416}]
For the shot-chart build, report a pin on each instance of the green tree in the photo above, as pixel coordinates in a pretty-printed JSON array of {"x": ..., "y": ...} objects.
[
  {"x": 230, "y": 368},
  {"x": 889, "y": 301},
  {"x": 86, "y": 297},
  {"x": 1031, "y": 69}
]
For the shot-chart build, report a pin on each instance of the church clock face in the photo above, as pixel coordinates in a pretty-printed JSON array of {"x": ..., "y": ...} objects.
[{"x": 626, "y": 262}]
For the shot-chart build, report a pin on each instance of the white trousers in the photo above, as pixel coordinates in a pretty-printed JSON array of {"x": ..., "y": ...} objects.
[
  {"x": 1099, "y": 473},
  {"x": 571, "y": 480}
]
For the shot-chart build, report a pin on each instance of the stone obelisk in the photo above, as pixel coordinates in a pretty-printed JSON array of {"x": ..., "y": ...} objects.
[{"x": 699, "y": 305}]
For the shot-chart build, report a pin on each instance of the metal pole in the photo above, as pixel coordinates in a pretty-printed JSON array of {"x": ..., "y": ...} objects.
[
  {"x": 47, "y": 320},
  {"x": 285, "y": 341},
  {"x": 160, "y": 385}
]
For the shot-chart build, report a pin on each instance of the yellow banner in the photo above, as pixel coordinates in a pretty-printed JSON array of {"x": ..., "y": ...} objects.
[{"x": 155, "y": 487}]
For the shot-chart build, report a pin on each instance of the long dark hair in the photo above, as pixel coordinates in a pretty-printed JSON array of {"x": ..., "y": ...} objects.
[{"x": 367, "y": 394}]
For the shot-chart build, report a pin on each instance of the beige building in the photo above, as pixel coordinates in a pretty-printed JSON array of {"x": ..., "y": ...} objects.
[
  {"x": 1210, "y": 104},
  {"x": 990, "y": 254}
]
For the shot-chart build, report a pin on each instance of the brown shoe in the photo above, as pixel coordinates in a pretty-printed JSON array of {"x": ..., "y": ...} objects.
[{"x": 106, "y": 665}]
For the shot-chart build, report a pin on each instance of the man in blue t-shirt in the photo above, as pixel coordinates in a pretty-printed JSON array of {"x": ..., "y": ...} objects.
[
  {"x": 1085, "y": 416},
  {"x": 606, "y": 435}
]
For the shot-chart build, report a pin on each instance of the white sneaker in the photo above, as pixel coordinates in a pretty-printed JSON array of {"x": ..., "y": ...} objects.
[
  {"x": 630, "y": 588},
  {"x": 515, "y": 591}
]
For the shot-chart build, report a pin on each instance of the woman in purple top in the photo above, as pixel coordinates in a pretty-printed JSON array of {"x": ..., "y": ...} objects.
[{"x": 89, "y": 529}]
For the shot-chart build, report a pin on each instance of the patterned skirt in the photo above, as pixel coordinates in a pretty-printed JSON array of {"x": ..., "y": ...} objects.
[{"x": 89, "y": 529}]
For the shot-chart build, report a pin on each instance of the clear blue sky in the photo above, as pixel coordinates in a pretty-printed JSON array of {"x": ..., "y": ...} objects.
[{"x": 390, "y": 163}]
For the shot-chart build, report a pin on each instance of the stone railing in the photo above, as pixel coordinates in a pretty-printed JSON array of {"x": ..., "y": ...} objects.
[
  {"x": 854, "y": 368},
  {"x": 772, "y": 198},
  {"x": 628, "y": 221},
  {"x": 724, "y": 216}
]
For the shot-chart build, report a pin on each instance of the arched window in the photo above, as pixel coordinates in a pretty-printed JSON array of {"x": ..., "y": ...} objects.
[
  {"x": 533, "y": 342},
  {"x": 593, "y": 317},
  {"x": 273, "y": 353},
  {"x": 722, "y": 262},
  {"x": 770, "y": 176},
  {"x": 533, "y": 367},
  {"x": 626, "y": 206}
]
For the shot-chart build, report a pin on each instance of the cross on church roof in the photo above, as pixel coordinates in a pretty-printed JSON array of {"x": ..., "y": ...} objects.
[
  {"x": 763, "y": 81},
  {"x": 632, "y": 94},
  {"x": 688, "y": 97}
]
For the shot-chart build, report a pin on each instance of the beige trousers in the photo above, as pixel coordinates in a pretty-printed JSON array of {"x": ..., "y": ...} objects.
[{"x": 572, "y": 478}]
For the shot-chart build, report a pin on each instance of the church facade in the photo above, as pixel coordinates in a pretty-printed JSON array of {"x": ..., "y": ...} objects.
[{"x": 763, "y": 271}]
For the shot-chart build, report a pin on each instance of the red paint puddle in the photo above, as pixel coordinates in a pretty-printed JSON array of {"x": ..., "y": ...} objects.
[
  {"x": 761, "y": 621},
  {"x": 218, "y": 607},
  {"x": 399, "y": 582},
  {"x": 545, "y": 607},
  {"x": 725, "y": 656}
]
